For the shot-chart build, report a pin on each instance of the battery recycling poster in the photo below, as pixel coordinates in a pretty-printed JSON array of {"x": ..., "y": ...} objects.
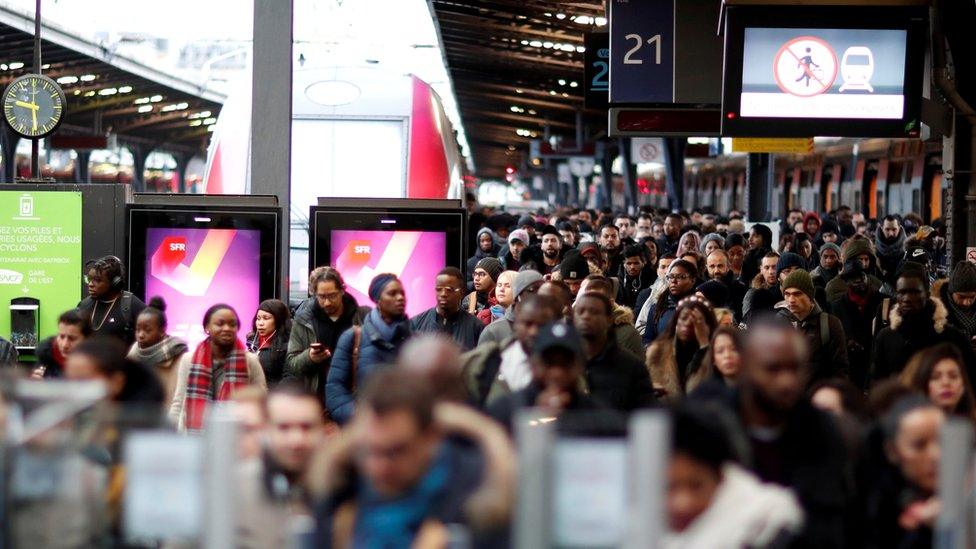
[{"x": 40, "y": 257}]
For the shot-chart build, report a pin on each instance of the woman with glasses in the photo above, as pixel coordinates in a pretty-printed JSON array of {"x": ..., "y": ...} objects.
[
  {"x": 674, "y": 359},
  {"x": 681, "y": 279},
  {"x": 318, "y": 323}
]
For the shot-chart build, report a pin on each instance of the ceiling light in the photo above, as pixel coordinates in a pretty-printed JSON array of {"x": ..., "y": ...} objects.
[
  {"x": 518, "y": 90},
  {"x": 67, "y": 80},
  {"x": 552, "y": 92},
  {"x": 532, "y": 111},
  {"x": 580, "y": 49},
  {"x": 141, "y": 101},
  {"x": 108, "y": 91},
  {"x": 600, "y": 21},
  {"x": 560, "y": 16},
  {"x": 524, "y": 42},
  {"x": 196, "y": 123},
  {"x": 209, "y": 121},
  {"x": 16, "y": 65},
  {"x": 535, "y": 44},
  {"x": 88, "y": 77},
  {"x": 90, "y": 93},
  {"x": 125, "y": 89},
  {"x": 562, "y": 82},
  {"x": 145, "y": 108},
  {"x": 573, "y": 84},
  {"x": 547, "y": 45},
  {"x": 156, "y": 99}
]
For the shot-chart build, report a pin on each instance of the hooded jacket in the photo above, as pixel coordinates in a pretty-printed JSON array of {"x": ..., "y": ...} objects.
[
  {"x": 858, "y": 331},
  {"x": 479, "y": 254},
  {"x": 624, "y": 332},
  {"x": 837, "y": 287},
  {"x": 895, "y": 345}
]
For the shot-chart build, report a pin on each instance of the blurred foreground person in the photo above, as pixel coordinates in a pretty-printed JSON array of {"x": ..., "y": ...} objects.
[
  {"x": 73, "y": 328},
  {"x": 219, "y": 365},
  {"x": 904, "y": 505},
  {"x": 103, "y": 359},
  {"x": 155, "y": 349},
  {"x": 787, "y": 440},
  {"x": 939, "y": 374},
  {"x": 274, "y": 501},
  {"x": 437, "y": 358},
  {"x": 409, "y": 474},
  {"x": 715, "y": 503}
]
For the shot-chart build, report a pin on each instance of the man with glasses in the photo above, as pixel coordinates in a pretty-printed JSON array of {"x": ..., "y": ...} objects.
[
  {"x": 447, "y": 317},
  {"x": 318, "y": 323}
]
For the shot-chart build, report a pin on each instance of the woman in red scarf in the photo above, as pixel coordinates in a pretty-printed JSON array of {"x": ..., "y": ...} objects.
[{"x": 218, "y": 366}]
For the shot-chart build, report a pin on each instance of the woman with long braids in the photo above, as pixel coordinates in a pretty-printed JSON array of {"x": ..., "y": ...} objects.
[{"x": 219, "y": 366}]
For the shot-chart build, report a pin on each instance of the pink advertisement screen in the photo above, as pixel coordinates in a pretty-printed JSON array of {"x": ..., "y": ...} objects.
[
  {"x": 192, "y": 269},
  {"x": 415, "y": 256}
]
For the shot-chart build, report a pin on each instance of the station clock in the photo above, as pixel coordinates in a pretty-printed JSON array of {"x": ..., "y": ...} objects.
[{"x": 33, "y": 106}]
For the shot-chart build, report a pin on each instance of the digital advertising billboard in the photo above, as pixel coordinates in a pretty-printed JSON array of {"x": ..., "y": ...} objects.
[
  {"x": 192, "y": 269},
  {"x": 413, "y": 242},
  {"x": 415, "y": 256},
  {"x": 195, "y": 258}
]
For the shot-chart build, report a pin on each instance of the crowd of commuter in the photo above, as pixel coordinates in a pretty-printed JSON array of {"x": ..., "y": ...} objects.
[{"x": 806, "y": 380}]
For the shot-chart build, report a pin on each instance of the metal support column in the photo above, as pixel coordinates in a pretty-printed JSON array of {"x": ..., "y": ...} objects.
[
  {"x": 630, "y": 173},
  {"x": 271, "y": 114},
  {"x": 182, "y": 162},
  {"x": 82, "y": 173},
  {"x": 139, "y": 155},
  {"x": 8, "y": 148},
  {"x": 759, "y": 178},
  {"x": 674, "y": 163},
  {"x": 606, "y": 176}
]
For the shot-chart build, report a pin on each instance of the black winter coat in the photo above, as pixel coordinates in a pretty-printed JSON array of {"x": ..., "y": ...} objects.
[
  {"x": 895, "y": 345},
  {"x": 463, "y": 328},
  {"x": 858, "y": 330},
  {"x": 619, "y": 379}
]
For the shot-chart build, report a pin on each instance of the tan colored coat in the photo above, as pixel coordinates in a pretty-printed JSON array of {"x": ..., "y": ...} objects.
[{"x": 177, "y": 411}]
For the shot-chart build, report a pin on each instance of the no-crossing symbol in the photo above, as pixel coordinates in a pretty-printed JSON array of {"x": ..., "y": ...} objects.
[{"x": 805, "y": 66}]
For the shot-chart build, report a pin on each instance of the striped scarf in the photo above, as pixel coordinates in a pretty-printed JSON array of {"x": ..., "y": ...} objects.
[{"x": 198, "y": 393}]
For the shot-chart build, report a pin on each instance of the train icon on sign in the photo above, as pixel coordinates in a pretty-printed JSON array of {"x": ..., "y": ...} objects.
[{"x": 857, "y": 68}]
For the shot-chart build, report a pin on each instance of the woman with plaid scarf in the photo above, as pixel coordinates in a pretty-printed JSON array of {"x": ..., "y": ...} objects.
[{"x": 219, "y": 366}]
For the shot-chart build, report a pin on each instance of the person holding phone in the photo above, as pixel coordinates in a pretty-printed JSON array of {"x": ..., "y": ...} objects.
[{"x": 318, "y": 323}]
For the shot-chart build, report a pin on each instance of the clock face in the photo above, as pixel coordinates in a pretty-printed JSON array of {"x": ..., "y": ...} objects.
[{"x": 33, "y": 106}]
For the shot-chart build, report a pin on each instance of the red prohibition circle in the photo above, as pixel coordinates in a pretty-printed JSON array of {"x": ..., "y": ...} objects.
[{"x": 785, "y": 47}]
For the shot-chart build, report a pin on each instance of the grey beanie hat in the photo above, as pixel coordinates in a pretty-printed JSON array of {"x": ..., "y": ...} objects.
[
  {"x": 523, "y": 280},
  {"x": 830, "y": 246},
  {"x": 710, "y": 237}
]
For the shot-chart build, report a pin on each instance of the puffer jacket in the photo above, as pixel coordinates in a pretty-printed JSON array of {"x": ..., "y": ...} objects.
[{"x": 375, "y": 352}]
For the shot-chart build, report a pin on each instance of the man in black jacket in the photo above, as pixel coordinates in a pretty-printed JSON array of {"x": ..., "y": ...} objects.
[
  {"x": 717, "y": 265},
  {"x": 917, "y": 322},
  {"x": 784, "y": 438},
  {"x": 856, "y": 311},
  {"x": 634, "y": 276},
  {"x": 613, "y": 375},
  {"x": 823, "y": 331},
  {"x": 447, "y": 317}
]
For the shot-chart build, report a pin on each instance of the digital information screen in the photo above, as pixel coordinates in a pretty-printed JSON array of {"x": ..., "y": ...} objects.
[
  {"x": 415, "y": 256},
  {"x": 823, "y": 73},
  {"x": 192, "y": 269}
]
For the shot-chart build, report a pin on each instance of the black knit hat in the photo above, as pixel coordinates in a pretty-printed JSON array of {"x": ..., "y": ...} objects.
[
  {"x": 715, "y": 292},
  {"x": 574, "y": 266},
  {"x": 789, "y": 259},
  {"x": 963, "y": 277}
]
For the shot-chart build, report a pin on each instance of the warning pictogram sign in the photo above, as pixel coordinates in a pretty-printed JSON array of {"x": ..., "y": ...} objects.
[{"x": 805, "y": 66}]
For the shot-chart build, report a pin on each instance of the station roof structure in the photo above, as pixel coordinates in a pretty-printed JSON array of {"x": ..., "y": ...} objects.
[
  {"x": 516, "y": 65},
  {"x": 107, "y": 92}
]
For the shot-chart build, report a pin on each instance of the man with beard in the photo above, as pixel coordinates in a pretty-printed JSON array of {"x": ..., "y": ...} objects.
[
  {"x": 717, "y": 265},
  {"x": 485, "y": 276},
  {"x": 644, "y": 224},
  {"x": 552, "y": 250},
  {"x": 611, "y": 245},
  {"x": 889, "y": 239},
  {"x": 789, "y": 442},
  {"x": 569, "y": 232}
]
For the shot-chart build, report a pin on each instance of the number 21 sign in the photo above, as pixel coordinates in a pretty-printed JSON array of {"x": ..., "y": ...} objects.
[{"x": 642, "y": 51}]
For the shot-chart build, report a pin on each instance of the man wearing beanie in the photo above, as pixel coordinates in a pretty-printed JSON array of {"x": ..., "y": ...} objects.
[
  {"x": 823, "y": 331},
  {"x": 856, "y": 311},
  {"x": 889, "y": 239},
  {"x": 829, "y": 266},
  {"x": 958, "y": 294},
  {"x": 573, "y": 270},
  {"x": 483, "y": 297},
  {"x": 861, "y": 250},
  {"x": 511, "y": 256}
]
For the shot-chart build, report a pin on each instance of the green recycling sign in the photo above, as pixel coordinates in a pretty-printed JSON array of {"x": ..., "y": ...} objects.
[{"x": 40, "y": 258}]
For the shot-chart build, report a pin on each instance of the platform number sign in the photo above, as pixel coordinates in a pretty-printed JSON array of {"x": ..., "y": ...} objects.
[
  {"x": 642, "y": 51},
  {"x": 597, "y": 70}
]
